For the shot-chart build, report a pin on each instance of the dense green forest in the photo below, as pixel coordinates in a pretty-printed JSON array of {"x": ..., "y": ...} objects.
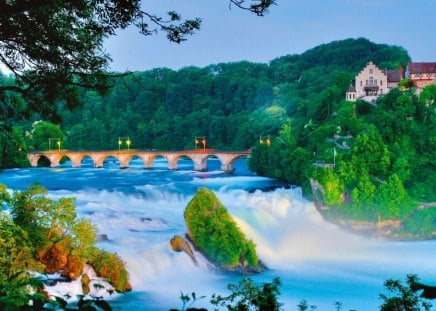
[
  {"x": 232, "y": 104},
  {"x": 382, "y": 155}
]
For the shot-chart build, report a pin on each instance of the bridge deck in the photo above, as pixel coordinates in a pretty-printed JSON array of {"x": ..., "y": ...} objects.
[{"x": 198, "y": 156}]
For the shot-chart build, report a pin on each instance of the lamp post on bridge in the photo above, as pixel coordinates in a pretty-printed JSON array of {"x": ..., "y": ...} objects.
[
  {"x": 57, "y": 141},
  {"x": 124, "y": 139},
  {"x": 200, "y": 140}
]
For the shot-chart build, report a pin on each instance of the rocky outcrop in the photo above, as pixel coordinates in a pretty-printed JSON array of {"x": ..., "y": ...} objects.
[
  {"x": 179, "y": 244},
  {"x": 214, "y": 233}
]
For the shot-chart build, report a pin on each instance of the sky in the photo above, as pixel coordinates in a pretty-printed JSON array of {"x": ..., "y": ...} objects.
[{"x": 229, "y": 34}]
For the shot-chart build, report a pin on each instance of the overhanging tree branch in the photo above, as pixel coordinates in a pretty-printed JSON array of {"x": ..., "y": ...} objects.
[
  {"x": 54, "y": 46},
  {"x": 259, "y": 7}
]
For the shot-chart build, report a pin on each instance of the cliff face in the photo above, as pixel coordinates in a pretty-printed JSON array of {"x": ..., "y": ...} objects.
[{"x": 214, "y": 233}]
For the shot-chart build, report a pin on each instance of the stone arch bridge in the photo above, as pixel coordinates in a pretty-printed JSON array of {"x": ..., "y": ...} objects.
[{"x": 198, "y": 156}]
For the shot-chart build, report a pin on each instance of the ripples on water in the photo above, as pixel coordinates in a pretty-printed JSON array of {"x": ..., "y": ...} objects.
[{"x": 141, "y": 210}]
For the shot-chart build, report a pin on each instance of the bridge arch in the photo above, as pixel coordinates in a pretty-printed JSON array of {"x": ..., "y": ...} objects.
[
  {"x": 227, "y": 160},
  {"x": 133, "y": 161},
  {"x": 150, "y": 162},
  {"x": 83, "y": 160},
  {"x": 199, "y": 157},
  {"x": 43, "y": 161},
  {"x": 186, "y": 162}
]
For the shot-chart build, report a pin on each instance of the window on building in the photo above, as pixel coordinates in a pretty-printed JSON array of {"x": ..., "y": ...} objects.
[
  {"x": 381, "y": 82},
  {"x": 370, "y": 71}
]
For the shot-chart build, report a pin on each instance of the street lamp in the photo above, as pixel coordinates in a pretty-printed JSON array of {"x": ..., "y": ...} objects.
[
  {"x": 57, "y": 140},
  {"x": 124, "y": 139},
  {"x": 200, "y": 140},
  {"x": 264, "y": 139}
]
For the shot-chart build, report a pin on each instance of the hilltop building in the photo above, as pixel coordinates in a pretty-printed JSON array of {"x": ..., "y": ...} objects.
[
  {"x": 372, "y": 82},
  {"x": 421, "y": 74}
]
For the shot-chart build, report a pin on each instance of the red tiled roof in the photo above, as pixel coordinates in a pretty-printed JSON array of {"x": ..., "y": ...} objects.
[
  {"x": 351, "y": 89},
  {"x": 421, "y": 67},
  {"x": 394, "y": 75}
]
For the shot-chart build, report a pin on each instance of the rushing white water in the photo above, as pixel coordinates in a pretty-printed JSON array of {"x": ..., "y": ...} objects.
[{"x": 141, "y": 210}]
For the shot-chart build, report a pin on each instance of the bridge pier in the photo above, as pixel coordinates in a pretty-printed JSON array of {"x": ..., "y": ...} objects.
[
  {"x": 172, "y": 166},
  {"x": 76, "y": 160},
  {"x": 172, "y": 161},
  {"x": 124, "y": 164},
  {"x": 200, "y": 166},
  {"x": 98, "y": 164},
  {"x": 227, "y": 167},
  {"x": 54, "y": 163},
  {"x": 33, "y": 159}
]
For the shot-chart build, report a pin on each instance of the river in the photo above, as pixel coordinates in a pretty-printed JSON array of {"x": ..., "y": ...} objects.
[{"x": 141, "y": 210}]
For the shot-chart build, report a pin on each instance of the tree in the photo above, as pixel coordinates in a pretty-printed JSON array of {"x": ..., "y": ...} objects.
[
  {"x": 14, "y": 150},
  {"x": 51, "y": 46},
  {"x": 55, "y": 48},
  {"x": 45, "y": 136},
  {"x": 42, "y": 217},
  {"x": 246, "y": 296},
  {"x": 16, "y": 260},
  {"x": 44, "y": 235},
  {"x": 372, "y": 152},
  {"x": 404, "y": 297},
  {"x": 394, "y": 199}
]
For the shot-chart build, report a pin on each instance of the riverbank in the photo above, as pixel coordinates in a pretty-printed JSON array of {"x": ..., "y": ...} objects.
[
  {"x": 388, "y": 229},
  {"x": 391, "y": 229}
]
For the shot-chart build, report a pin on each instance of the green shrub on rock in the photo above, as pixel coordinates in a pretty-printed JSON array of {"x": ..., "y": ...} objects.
[
  {"x": 111, "y": 267},
  {"x": 213, "y": 231}
]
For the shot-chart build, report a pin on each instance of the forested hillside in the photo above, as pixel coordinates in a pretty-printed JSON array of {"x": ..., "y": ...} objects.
[{"x": 231, "y": 104}]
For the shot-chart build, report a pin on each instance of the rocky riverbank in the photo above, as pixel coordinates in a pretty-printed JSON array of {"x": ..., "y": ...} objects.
[
  {"x": 392, "y": 229},
  {"x": 388, "y": 229}
]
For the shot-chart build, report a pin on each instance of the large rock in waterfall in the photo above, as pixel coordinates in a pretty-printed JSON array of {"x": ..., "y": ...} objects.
[
  {"x": 213, "y": 232},
  {"x": 179, "y": 244}
]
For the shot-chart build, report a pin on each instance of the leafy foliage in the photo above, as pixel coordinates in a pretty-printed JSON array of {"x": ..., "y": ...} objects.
[
  {"x": 213, "y": 230},
  {"x": 13, "y": 153},
  {"x": 54, "y": 51},
  {"x": 403, "y": 297},
  {"x": 421, "y": 223},
  {"x": 373, "y": 161},
  {"x": 111, "y": 267},
  {"x": 247, "y": 296},
  {"x": 43, "y": 218},
  {"x": 43, "y": 235},
  {"x": 45, "y": 136}
]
